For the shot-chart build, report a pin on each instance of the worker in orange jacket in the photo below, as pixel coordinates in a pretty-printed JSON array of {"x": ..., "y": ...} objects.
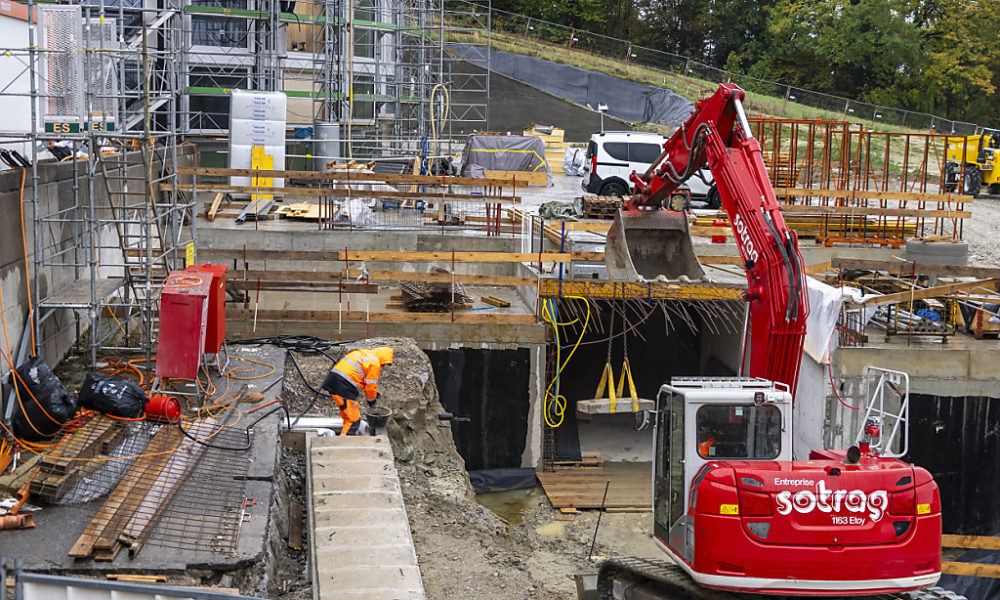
[{"x": 357, "y": 371}]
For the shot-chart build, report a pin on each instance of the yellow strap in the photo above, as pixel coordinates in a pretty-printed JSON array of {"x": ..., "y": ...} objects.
[
  {"x": 627, "y": 373},
  {"x": 607, "y": 377}
]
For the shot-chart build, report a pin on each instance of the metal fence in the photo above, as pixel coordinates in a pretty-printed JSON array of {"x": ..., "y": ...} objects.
[
  {"x": 525, "y": 34},
  {"x": 37, "y": 585}
]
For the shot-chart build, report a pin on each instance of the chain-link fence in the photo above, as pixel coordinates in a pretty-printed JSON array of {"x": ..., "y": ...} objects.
[{"x": 527, "y": 35}]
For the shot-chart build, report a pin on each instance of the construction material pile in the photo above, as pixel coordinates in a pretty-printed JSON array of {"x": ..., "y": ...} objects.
[{"x": 434, "y": 296}]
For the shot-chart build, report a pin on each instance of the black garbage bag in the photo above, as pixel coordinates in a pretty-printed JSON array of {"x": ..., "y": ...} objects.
[
  {"x": 45, "y": 404},
  {"x": 113, "y": 396}
]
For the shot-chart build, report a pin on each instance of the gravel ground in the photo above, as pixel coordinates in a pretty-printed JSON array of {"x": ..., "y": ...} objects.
[{"x": 981, "y": 232}]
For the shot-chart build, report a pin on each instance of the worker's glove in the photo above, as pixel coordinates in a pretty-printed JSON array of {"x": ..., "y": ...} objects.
[{"x": 373, "y": 401}]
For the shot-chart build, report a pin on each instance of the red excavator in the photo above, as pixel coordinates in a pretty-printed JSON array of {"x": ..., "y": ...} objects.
[{"x": 730, "y": 505}]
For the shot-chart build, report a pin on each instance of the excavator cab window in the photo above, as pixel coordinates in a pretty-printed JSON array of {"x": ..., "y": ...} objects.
[{"x": 739, "y": 431}]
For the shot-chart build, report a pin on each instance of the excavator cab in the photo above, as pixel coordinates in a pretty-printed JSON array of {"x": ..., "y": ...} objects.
[{"x": 700, "y": 422}]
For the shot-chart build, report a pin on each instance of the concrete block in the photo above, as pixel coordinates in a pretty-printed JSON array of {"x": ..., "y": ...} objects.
[
  {"x": 350, "y": 441},
  {"x": 355, "y": 483},
  {"x": 373, "y": 579},
  {"x": 357, "y": 538},
  {"x": 353, "y": 453},
  {"x": 373, "y": 518},
  {"x": 359, "y": 500},
  {"x": 379, "y": 595},
  {"x": 388, "y": 556},
  {"x": 352, "y": 467}
]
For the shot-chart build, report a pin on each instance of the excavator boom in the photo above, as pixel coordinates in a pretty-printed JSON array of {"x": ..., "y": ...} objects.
[{"x": 718, "y": 132}]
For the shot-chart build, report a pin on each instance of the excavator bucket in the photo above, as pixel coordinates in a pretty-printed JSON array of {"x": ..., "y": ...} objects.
[{"x": 648, "y": 244}]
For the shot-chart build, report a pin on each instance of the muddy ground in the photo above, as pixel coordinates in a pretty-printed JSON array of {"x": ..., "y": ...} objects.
[{"x": 464, "y": 549}]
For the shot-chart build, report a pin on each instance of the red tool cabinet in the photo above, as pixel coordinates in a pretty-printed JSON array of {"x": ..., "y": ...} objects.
[
  {"x": 183, "y": 323},
  {"x": 216, "y": 332}
]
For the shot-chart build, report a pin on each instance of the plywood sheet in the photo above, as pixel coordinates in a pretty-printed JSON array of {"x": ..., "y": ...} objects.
[{"x": 630, "y": 486}]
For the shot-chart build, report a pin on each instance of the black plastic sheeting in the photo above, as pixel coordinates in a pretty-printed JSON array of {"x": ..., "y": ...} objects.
[
  {"x": 502, "y": 480},
  {"x": 625, "y": 99},
  {"x": 958, "y": 441},
  {"x": 974, "y": 587},
  {"x": 490, "y": 387}
]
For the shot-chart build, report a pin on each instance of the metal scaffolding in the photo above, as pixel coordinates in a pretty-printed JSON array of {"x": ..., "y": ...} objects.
[{"x": 108, "y": 223}]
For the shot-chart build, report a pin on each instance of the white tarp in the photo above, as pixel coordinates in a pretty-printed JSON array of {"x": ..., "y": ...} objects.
[
  {"x": 573, "y": 162},
  {"x": 824, "y": 308}
]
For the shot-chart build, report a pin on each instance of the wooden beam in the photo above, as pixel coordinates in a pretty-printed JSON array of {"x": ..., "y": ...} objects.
[
  {"x": 214, "y": 208},
  {"x": 817, "y": 268},
  {"x": 979, "y": 542},
  {"x": 872, "y": 195},
  {"x": 311, "y": 192},
  {"x": 351, "y": 176},
  {"x": 970, "y": 569},
  {"x": 528, "y": 257},
  {"x": 360, "y": 316},
  {"x": 924, "y": 293},
  {"x": 905, "y": 268},
  {"x": 791, "y": 212},
  {"x": 276, "y": 284},
  {"x": 378, "y": 255},
  {"x": 486, "y": 280}
]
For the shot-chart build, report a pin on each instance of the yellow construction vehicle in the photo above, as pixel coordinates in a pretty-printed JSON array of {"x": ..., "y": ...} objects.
[{"x": 970, "y": 161}]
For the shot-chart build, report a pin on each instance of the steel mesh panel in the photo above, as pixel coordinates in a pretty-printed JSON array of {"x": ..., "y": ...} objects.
[
  {"x": 102, "y": 76},
  {"x": 60, "y": 40}
]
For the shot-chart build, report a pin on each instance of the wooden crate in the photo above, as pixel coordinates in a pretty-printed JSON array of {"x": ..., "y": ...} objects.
[
  {"x": 600, "y": 207},
  {"x": 977, "y": 322}
]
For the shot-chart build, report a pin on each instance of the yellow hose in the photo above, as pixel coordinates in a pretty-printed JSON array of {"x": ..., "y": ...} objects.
[{"x": 555, "y": 403}]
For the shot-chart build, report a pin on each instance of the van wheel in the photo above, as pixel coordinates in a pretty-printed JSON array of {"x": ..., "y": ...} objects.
[
  {"x": 713, "y": 199},
  {"x": 614, "y": 188}
]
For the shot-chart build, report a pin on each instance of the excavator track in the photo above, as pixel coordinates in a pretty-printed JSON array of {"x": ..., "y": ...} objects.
[{"x": 641, "y": 578}]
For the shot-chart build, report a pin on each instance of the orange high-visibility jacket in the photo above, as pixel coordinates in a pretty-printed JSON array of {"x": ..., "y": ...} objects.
[{"x": 362, "y": 367}]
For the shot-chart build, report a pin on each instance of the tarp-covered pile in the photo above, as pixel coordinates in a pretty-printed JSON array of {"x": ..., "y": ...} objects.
[{"x": 504, "y": 153}]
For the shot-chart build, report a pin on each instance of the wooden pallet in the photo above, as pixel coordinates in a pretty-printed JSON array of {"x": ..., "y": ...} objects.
[
  {"x": 600, "y": 207},
  {"x": 584, "y": 488},
  {"x": 588, "y": 460}
]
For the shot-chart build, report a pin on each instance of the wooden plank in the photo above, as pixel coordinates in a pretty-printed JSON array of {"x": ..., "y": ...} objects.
[
  {"x": 348, "y": 287},
  {"x": 522, "y": 177},
  {"x": 905, "y": 269},
  {"x": 295, "y": 525},
  {"x": 133, "y": 578},
  {"x": 792, "y": 212},
  {"x": 360, "y": 316},
  {"x": 970, "y": 569},
  {"x": 924, "y": 293},
  {"x": 233, "y": 215},
  {"x": 980, "y": 542},
  {"x": 307, "y": 192},
  {"x": 215, "y": 206},
  {"x": 486, "y": 280},
  {"x": 107, "y": 516},
  {"x": 494, "y": 301},
  {"x": 181, "y": 462},
  {"x": 350, "y": 176},
  {"x": 871, "y": 195},
  {"x": 358, "y": 255},
  {"x": 817, "y": 268},
  {"x": 463, "y": 256}
]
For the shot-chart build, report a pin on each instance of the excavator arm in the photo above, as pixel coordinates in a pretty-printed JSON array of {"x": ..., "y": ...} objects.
[{"x": 718, "y": 133}]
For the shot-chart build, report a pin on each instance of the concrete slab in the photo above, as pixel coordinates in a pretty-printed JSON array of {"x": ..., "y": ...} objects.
[
  {"x": 360, "y": 517},
  {"x": 359, "y": 499},
  {"x": 351, "y": 467},
  {"x": 361, "y": 542},
  {"x": 355, "y": 483}
]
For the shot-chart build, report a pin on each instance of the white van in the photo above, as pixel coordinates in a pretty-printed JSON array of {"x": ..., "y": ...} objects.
[{"x": 613, "y": 155}]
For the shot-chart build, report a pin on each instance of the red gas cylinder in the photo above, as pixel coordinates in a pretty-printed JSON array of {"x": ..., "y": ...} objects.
[
  {"x": 719, "y": 239},
  {"x": 163, "y": 408}
]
